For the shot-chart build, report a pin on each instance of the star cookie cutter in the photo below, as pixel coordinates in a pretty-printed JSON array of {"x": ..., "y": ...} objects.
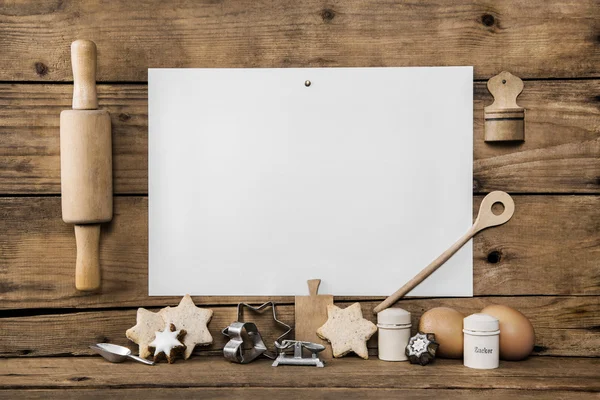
[{"x": 234, "y": 349}]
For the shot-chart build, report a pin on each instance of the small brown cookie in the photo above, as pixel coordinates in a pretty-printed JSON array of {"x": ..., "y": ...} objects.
[
  {"x": 167, "y": 344},
  {"x": 347, "y": 330},
  {"x": 142, "y": 333},
  {"x": 191, "y": 318}
]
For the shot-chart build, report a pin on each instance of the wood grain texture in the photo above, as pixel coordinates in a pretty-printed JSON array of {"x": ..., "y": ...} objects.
[
  {"x": 536, "y": 373},
  {"x": 564, "y": 326},
  {"x": 551, "y": 246},
  {"x": 29, "y": 133},
  {"x": 534, "y": 39},
  {"x": 522, "y": 257},
  {"x": 561, "y": 153},
  {"x": 233, "y": 393},
  {"x": 310, "y": 314}
]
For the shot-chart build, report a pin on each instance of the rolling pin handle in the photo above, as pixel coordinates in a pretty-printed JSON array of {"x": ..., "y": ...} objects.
[
  {"x": 87, "y": 270},
  {"x": 83, "y": 61}
]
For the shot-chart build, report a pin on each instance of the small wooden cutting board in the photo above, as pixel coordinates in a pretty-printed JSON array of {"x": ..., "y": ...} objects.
[{"x": 311, "y": 314}]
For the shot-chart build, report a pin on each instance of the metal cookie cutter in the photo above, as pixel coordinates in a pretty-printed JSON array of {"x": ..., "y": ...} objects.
[
  {"x": 234, "y": 349},
  {"x": 297, "y": 359}
]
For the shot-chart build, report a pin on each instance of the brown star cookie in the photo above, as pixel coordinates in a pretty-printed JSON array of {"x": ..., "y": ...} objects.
[
  {"x": 193, "y": 320},
  {"x": 167, "y": 344},
  {"x": 147, "y": 324},
  {"x": 347, "y": 330}
]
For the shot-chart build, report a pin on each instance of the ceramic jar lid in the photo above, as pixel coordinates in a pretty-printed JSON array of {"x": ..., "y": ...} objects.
[
  {"x": 393, "y": 316},
  {"x": 481, "y": 323}
]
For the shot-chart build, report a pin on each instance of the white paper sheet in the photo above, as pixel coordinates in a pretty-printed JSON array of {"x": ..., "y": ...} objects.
[{"x": 258, "y": 182}]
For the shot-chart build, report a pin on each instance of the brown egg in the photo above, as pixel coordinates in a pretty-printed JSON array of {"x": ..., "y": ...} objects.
[
  {"x": 516, "y": 332},
  {"x": 447, "y": 324}
]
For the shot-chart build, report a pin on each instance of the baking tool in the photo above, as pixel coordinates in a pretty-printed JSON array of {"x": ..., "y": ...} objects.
[
  {"x": 86, "y": 165},
  {"x": 234, "y": 349},
  {"x": 482, "y": 341},
  {"x": 297, "y": 359},
  {"x": 311, "y": 313},
  {"x": 116, "y": 354},
  {"x": 421, "y": 348},
  {"x": 504, "y": 119},
  {"x": 393, "y": 335},
  {"x": 485, "y": 219}
]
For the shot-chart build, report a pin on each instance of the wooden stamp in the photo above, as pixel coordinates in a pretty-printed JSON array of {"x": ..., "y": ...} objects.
[{"x": 504, "y": 119}]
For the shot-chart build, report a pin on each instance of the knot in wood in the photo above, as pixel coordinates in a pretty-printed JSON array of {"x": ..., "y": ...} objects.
[
  {"x": 488, "y": 19},
  {"x": 327, "y": 15},
  {"x": 494, "y": 257},
  {"x": 41, "y": 69}
]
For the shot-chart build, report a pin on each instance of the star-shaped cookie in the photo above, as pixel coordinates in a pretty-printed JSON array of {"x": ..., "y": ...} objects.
[
  {"x": 167, "y": 344},
  {"x": 147, "y": 324},
  {"x": 347, "y": 330},
  {"x": 193, "y": 320}
]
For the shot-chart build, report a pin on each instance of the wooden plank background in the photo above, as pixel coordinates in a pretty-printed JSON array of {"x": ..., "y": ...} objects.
[
  {"x": 540, "y": 372},
  {"x": 545, "y": 261},
  {"x": 533, "y": 39},
  {"x": 560, "y": 154}
]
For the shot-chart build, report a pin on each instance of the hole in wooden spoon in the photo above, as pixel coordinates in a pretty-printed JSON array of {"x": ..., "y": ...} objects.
[{"x": 497, "y": 208}]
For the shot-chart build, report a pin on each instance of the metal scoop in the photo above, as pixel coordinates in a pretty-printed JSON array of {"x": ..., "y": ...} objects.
[{"x": 116, "y": 354}]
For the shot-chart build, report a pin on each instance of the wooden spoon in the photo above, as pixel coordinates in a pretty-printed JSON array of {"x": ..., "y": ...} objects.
[{"x": 485, "y": 219}]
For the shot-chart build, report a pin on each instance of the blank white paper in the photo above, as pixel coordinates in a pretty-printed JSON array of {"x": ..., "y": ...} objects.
[{"x": 258, "y": 182}]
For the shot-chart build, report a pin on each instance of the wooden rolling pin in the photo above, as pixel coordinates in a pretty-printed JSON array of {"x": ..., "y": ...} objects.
[{"x": 86, "y": 165}]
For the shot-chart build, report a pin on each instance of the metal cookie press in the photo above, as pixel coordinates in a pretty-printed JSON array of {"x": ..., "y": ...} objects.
[{"x": 297, "y": 359}]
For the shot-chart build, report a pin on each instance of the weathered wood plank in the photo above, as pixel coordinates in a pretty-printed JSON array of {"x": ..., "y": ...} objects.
[
  {"x": 231, "y": 393},
  {"x": 561, "y": 153},
  {"x": 550, "y": 247},
  {"x": 30, "y": 145},
  {"x": 536, "y": 373},
  {"x": 71, "y": 334},
  {"x": 565, "y": 326},
  {"x": 534, "y": 39}
]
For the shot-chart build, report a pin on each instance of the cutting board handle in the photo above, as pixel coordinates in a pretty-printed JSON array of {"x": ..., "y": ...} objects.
[
  {"x": 83, "y": 61},
  {"x": 313, "y": 286},
  {"x": 87, "y": 270}
]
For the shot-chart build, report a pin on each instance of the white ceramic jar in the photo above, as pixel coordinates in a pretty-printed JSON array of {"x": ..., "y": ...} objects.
[
  {"x": 394, "y": 333},
  {"x": 481, "y": 341}
]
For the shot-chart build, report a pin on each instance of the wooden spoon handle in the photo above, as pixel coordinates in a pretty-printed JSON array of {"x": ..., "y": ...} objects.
[
  {"x": 87, "y": 270},
  {"x": 83, "y": 61},
  {"x": 485, "y": 219},
  {"x": 425, "y": 272}
]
